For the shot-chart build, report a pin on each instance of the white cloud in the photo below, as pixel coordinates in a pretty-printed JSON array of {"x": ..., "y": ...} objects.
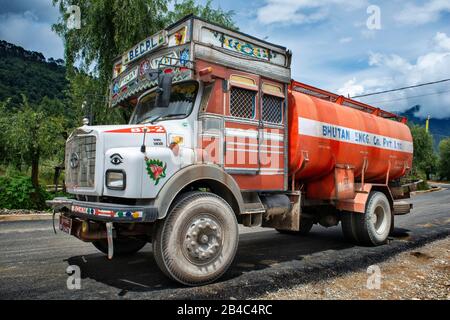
[
  {"x": 28, "y": 31},
  {"x": 399, "y": 72},
  {"x": 422, "y": 14},
  {"x": 351, "y": 88},
  {"x": 442, "y": 41},
  {"x": 346, "y": 40},
  {"x": 392, "y": 61},
  {"x": 302, "y": 11}
]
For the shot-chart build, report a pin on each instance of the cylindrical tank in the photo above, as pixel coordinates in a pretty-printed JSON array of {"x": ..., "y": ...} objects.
[{"x": 323, "y": 135}]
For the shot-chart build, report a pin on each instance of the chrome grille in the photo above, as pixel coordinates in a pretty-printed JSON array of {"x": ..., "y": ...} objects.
[{"x": 80, "y": 161}]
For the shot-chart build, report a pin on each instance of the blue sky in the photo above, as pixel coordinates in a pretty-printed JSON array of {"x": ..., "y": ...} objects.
[{"x": 332, "y": 46}]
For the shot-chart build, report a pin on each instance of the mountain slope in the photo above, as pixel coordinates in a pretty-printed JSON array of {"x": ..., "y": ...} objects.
[
  {"x": 439, "y": 128},
  {"x": 28, "y": 72}
]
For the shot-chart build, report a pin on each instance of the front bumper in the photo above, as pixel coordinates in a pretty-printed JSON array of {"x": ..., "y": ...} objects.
[{"x": 106, "y": 212}]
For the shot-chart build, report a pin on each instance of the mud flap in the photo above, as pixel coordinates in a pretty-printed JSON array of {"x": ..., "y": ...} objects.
[
  {"x": 109, "y": 236},
  {"x": 53, "y": 220}
]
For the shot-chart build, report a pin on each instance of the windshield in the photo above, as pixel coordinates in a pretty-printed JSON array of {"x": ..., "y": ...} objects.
[{"x": 181, "y": 103}]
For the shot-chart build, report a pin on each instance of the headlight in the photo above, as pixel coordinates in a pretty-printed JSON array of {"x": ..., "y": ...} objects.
[{"x": 116, "y": 179}]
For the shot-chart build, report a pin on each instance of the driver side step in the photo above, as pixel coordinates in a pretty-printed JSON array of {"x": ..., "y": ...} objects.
[{"x": 254, "y": 209}]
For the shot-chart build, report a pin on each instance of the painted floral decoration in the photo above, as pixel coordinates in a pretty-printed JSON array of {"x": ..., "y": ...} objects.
[{"x": 156, "y": 169}]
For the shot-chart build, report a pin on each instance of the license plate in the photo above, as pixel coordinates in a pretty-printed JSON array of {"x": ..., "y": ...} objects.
[{"x": 65, "y": 224}]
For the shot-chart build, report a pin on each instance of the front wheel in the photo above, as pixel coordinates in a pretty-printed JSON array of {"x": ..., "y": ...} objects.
[{"x": 197, "y": 242}]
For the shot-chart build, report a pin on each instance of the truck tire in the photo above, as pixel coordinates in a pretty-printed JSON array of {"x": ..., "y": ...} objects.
[
  {"x": 305, "y": 227},
  {"x": 348, "y": 226},
  {"x": 122, "y": 246},
  {"x": 197, "y": 241},
  {"x": 374, "y": 225}
]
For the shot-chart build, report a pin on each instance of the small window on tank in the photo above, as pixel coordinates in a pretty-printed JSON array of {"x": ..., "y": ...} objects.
[{"x": 242, "y": 103}]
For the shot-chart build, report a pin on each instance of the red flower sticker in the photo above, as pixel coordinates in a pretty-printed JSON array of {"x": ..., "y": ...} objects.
[{"x": 156, "y": 169}]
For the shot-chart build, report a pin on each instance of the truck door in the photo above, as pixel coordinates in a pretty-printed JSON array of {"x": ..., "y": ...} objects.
[
  {"x": 254, "y": 132},
  {"x": 272, "y": 142},
  {"x": 241, "y": 130}
]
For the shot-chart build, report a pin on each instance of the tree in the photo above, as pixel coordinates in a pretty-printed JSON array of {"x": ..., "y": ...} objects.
[
  {"x": 30, "y": 135},
  {"x": 219, "y": 16},
  {"x": 444, "y": 159},
  {"x": 4, "y": 123},
  {"x": 110, "y": 27},
  {"x": 425, "y": 160}
]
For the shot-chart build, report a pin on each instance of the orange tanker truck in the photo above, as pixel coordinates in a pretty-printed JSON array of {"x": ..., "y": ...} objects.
[{"x": 219, "y": 136}]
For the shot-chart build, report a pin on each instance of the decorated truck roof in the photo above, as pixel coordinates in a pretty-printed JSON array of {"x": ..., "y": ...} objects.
[{"x": 176, "y": 48}]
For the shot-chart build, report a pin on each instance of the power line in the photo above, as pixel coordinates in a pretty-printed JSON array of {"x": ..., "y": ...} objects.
[
  {"x": 403, "y": 88},
  {"x": 409, "y": 97}
]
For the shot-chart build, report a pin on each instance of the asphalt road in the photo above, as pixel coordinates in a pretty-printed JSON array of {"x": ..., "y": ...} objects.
[{"x": 33, "y": 260}]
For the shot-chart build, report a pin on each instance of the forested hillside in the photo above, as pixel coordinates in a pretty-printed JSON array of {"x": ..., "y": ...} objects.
[
  {"x": 439, "y": 128},
  {"x": 30, "y": 73}
]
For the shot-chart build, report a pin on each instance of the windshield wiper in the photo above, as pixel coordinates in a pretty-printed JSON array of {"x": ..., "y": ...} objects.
[
  {"x": 170, "y": 116},
  {"x": 161, "y": 117},
  {"x": 152, "y": 120}
]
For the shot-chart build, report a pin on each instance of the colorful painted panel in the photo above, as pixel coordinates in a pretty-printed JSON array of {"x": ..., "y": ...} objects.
[
  {"x": 133, "y": 81},
  {"x": 150, "y": 44},
  {"x": 179, "y": 37},
  {"x": 107, "y": 213},
  {"x": 244, "y": 48},
  {"x": 228, "y": 42}
]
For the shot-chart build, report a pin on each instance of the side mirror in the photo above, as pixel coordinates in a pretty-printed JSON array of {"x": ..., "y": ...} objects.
[{"x": 164, "y": 90}]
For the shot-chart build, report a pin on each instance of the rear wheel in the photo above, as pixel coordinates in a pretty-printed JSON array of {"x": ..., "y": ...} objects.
[
  {"x": 122, "y": 246},
  {"x": 197, "y": 241},
  {"x": 374, "y": 225},
  {"x": 305, "y": 227}
]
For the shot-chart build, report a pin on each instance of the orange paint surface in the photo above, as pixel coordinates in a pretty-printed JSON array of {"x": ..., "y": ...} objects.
[{"x": 312, "y": 156}]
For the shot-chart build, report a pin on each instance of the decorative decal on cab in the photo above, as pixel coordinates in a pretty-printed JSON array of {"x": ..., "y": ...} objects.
[
  {"x": 150, "y": 129},
  {"x": 150, "y": 44},
  {"x": 116, "y": 159},
  {"x": 156, "y": 169},
  {"x": 107, "y": 213}
]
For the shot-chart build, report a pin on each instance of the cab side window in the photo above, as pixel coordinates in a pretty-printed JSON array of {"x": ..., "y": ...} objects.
[
  {"x": 272, "y": 109},
  {"x": 242, "y": 103}
]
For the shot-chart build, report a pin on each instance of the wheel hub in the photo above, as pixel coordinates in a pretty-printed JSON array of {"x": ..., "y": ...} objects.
[
  {"x": 379, "y": 220},
  {"x": 203, "y": 240}
]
